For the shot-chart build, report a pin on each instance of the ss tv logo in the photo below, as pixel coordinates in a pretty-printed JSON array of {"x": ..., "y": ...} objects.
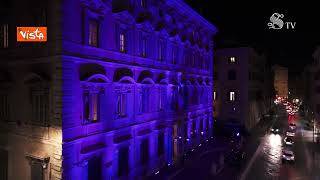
[
  {"x": 31, "y": 34},
  {"x": 276, "y": 22}
]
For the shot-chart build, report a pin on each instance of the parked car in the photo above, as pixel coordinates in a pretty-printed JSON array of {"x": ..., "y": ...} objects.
[
  {"x": 288, "y": 141},
  {"x": 288, "y": 156}
]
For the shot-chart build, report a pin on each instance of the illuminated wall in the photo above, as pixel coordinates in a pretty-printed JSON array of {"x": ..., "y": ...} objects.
[{"x": 137, "y": 86}]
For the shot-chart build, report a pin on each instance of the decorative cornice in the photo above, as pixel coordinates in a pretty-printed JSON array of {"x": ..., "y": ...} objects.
[{"x": 95, "y": 5}]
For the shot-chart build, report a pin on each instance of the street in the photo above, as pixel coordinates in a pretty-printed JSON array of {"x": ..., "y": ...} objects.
[
  {"x": 264, "y": 155},
  {"x": 267, "y": 162}
]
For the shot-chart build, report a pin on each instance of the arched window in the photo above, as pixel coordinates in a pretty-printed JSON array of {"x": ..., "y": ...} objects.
[{"x": 93, "y": 97}]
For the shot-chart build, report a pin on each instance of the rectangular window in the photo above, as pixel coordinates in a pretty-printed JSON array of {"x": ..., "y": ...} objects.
[
  {"x": 145, "y": 99},
  {"x": 86, "y": 105},
  {"x": 91, "y": 106},
  {"x": 93, "y": 33},
  {"x": 161, "y": 50},
  {"x": 4, "y": 36},
  {"x": 185, "y": 58},
  {"x": 39, "y": 106},
  {"x": 122, "y": 42},
  {"x": 214, "y": 95},
  {"x": 140, "y": 102},
  {"x": 232, "y": 60},
  {"x": 143, "y": 46},
  {"x": 161, "y": 97},
  {"x": 232, "y": 96},
  {"x": 174, "y": 55},
  {"x": 95, "y": 107},
  {"x": 121, "y": 105},
  {"x": 193, "y": 60},
  {"x": 4, "y": 107}
]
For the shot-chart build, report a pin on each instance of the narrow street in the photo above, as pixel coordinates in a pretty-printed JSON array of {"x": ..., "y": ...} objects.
[
  {"x": 264, "y": 155},
  {"x": 267, "y": 162}
]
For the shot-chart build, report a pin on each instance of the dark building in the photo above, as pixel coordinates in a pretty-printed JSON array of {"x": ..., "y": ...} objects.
[{"x": 242, "y": 87}]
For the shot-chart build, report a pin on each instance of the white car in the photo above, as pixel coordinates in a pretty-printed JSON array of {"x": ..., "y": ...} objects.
[
  {"x": 288, "y": 141},
  {"x": 290, "y": 133},
  {"x": 287, "y": 155}
]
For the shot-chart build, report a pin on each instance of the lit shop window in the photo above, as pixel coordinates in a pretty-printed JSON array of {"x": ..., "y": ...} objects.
[
  {"x": 93, "y": 33},
  {"x": 232, "y": 59},
  {"x": 232, "y": 96},
  {"x": 122, "y": 42}
]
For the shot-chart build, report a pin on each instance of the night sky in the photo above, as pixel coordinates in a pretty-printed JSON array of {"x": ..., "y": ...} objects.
[{"x": 246, "y": 25}]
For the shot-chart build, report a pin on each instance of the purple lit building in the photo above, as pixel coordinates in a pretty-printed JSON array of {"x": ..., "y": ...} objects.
[{"x": 121, "y": 88}]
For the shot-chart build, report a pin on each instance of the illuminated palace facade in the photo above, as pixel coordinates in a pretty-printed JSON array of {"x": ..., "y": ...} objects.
[{"x": 121, "y": 89}]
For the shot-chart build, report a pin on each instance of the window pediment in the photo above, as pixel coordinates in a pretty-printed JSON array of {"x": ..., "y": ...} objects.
[{"x": 95, "y": 5}]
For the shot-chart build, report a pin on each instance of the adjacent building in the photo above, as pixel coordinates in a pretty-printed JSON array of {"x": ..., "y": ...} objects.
[
  {"x": 120, "y": 89},
  {"x": 242, "y": 87},
  {"x": 281, "y": 81},
  {"x": 311, "y": 83},
  {"x": 296, "y": 87}
]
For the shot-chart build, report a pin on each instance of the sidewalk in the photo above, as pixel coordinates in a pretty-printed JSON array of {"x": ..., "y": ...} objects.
[
  {"x": 313, "y": 146},
  {"x": 196, "y": 163},
  {"x": 251, "y": 145},
  {"x": 199, "y": 163}
]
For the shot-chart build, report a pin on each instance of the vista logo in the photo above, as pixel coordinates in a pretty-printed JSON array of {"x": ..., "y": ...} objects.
[
  {"x": 276, "y": 22},
  {"x": 31, "y": 34}
]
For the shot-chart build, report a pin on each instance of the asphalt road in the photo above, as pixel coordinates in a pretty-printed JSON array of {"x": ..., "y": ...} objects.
[
  {"x": 266, "y": 161},
  {"x": 264, "y": 155}
]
